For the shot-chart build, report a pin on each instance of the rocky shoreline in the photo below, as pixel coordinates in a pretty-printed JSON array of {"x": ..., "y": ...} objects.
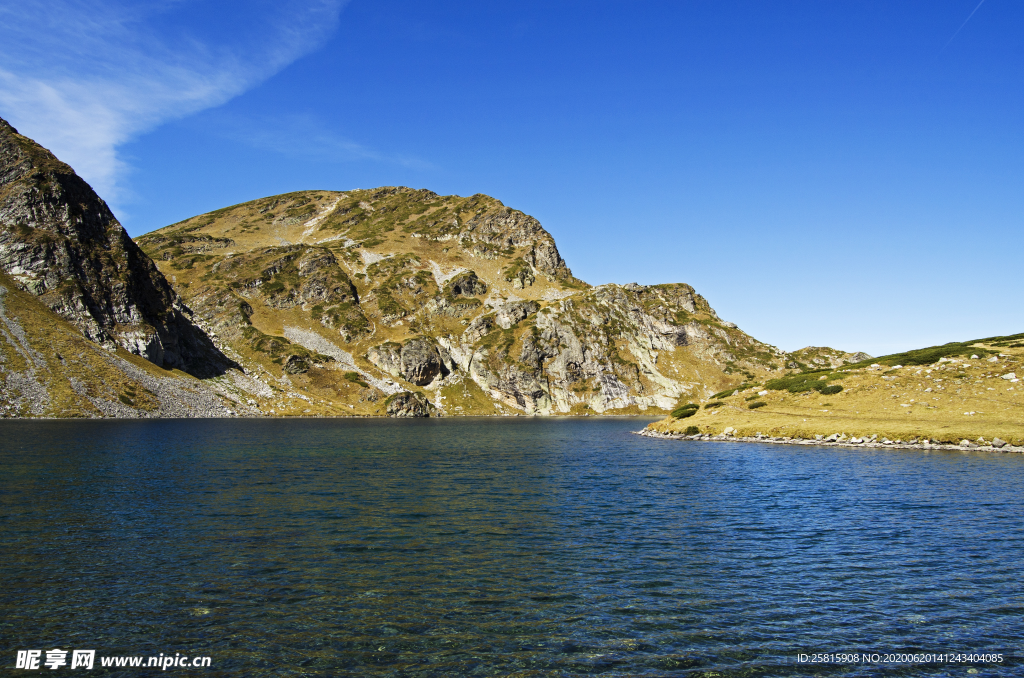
[{"x": 836, "y": 440}]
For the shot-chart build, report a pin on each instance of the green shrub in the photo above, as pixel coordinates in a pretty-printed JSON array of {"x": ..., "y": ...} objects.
[
  {"x": 273, "y": 288},
  {"x": 691, "y": 431},
  {"x": 685, "y": 411},
  {"x": 753, "y": 397},
  {"x": 831, "y": 389},
  {"x": 713, "y": 403},
  {"x": 799, "y": 383},
  {"x": 356, "y": 378},
  {"x": 728, "y": 392},
  {"x": 760, "y": 403},
  {"x": 927, "y": 356}
]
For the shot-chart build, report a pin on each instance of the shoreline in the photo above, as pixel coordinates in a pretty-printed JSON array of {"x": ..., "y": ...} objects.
[
  {"x": 973, "y": 447},
  {"x": 345, "y": 416}
]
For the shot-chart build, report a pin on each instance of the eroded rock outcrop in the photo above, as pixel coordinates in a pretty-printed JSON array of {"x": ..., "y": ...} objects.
[
  {"x": 409, "y": 404},
  {"x": 466, "y": 284},
  {"x": 418, "y": 361}
]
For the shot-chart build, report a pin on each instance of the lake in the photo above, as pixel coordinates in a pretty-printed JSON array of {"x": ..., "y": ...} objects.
[{"x": 479, "y": 547}]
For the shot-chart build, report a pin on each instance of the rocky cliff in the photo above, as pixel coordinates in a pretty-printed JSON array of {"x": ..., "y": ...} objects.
[
  {"x": 341, "y": 301},
  {"x": 60, "y": 242},
  {"x": 49, "y": 369}
]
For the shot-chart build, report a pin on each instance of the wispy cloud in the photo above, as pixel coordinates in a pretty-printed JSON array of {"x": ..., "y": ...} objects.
[
  {"x": 305, "y": 136},
  {"x": 83, "y": 77}
]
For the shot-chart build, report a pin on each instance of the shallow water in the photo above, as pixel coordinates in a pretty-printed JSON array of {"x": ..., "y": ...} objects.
[{"x": 500, "y": 547}]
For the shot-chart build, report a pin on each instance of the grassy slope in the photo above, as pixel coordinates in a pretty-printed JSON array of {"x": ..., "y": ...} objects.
[
  {"x": 201, "y": 257},
  {"x": 36, "y": 343},
  {"x": 947, "y": 396}
]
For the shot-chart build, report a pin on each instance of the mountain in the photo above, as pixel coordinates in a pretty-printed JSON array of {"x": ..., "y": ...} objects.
[
  {"x": 345, "y": 300},
  {"x": 60, "y": 242},
  {"x": 963, "y": 391},
  {"x": 386, "y": 301}
]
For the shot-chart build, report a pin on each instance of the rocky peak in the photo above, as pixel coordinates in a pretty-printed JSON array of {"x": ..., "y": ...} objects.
[{"x": 60, "y": 241}]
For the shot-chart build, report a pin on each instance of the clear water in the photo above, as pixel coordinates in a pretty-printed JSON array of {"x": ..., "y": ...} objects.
[{"x": 500, "y": 547}]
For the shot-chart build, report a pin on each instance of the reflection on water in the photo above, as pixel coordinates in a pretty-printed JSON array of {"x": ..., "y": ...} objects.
[{"x": 497, "y": 547}]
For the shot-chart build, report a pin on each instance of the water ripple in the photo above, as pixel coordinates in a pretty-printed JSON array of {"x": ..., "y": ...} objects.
[{"x": 496, "y": 547}]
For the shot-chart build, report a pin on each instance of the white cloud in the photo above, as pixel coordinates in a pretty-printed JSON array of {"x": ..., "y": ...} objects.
[{"x": 83, "y": 77}]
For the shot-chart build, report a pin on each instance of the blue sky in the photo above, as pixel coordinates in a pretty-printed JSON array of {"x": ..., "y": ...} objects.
[{"x": 846, "y": 174}]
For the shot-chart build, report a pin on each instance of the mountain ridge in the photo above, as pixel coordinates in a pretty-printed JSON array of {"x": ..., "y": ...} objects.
[{"x": 386, "y": 301}]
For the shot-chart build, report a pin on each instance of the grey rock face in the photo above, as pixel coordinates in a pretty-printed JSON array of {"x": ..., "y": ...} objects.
[
  {"x": 466, "y": 284},
  {"x": 510, "y": 314},
  {"x": 544, "y": 256},
  {"x": 59, "y": 241},
  {"x": 522, "y": 279},
  {"x": 418, "y": 361},
  {"x": 600, "y": 349},
  {"x": 478, "y": 328},
  {"x": 421, "y": 362},
  {"x": 408, "y": 404},
  {"x": 511, "y": 228},
  {"x": 321, "y": 279},
  {"x": 387, "y": 357}
]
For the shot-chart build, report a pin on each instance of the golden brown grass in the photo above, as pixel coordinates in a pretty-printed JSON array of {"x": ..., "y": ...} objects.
[
  {"x": 950, "y": 401},
  {"x": 63, "y": 354}
]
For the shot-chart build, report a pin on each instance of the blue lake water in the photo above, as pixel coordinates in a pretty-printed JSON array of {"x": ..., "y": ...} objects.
[{"x": 483, "y": 547}]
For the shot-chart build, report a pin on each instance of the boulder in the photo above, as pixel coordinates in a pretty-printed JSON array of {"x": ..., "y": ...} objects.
[
  {"x": 408, "y": 404},
  {"x": 296, "y": 365},
  {"x": 466, "y": 284},
  {"x": 513, "y": 312},
  {"x": 998, "y": 443},
  {"x": 477, "y": 329},
  {"x": 421, "y": 362},
  {"x": 417, "y": 361},
  {"x": 387, "y": 357}
]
